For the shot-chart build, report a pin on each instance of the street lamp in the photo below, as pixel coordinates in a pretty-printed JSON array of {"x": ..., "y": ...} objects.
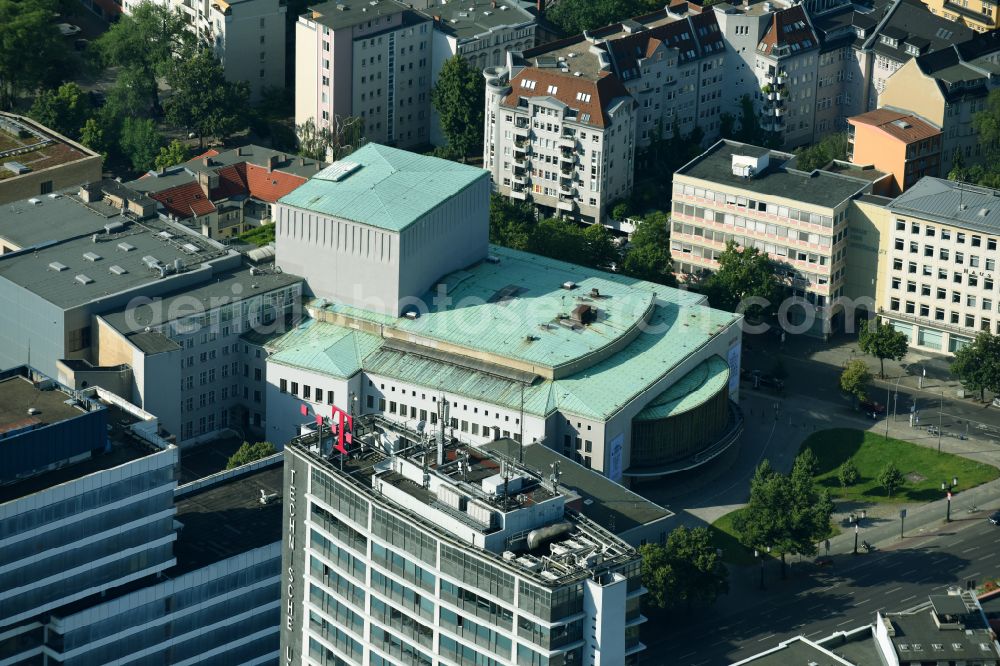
[
  {"x": 948, "y": 487},
  {"x": 855, "y": 538},
  {"x": 760, "y": 554}
]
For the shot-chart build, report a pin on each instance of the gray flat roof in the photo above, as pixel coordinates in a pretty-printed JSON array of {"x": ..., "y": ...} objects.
[
  {"x": 153, "y": 342},
  {"x": 64, "y": 274},
  {"x": 228, "y": 519},
  {"x": 456, "y": 17},
  {"x": 224, "y": 287},
  {"x": 610, "y": 505},
  {"x": 18, "y": 395},
  {"x": 918, "y": 638},
  {"x": 946, "y": 201},
  {"x": 348, "y": 13},
  {"x": 819, "y": 188},
  {"x": 24, "y": 224}
]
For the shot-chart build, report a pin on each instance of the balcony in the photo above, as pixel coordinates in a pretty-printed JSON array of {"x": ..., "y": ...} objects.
[
  {"x": 567, "y": 157},
  {"x": 566, "y": 189},
  {"x": 521, "y": 176},
  {"x": 520, "y": 160},
  {"x": 521, "y": 131},
  {"x": 567, "y": 141},
  {"x": 565, "y": 203},
  {"x": 521, "y": 144},
  {"x": 521, "y": 194}
]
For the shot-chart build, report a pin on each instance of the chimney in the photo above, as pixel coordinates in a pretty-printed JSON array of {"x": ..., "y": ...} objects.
[
  {"x": 493, "y": 4},
  {"x": 207, "y": 161},
  {"x": 302, "y": 161},
  {"x": 272, "y": 162},
  {"x": 203, "y": 180},
  {"x": 540, "y": 7}
]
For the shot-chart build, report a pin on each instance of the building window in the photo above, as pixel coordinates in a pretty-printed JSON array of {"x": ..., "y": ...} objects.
[{"x": 295, "y": 388}]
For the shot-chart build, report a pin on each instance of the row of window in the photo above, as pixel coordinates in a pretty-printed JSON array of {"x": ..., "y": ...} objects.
[
  {"x": 952, "y": 317},
  {"x": 945, "y": 254},
  {"x": 930, "y": 231},
  {"x": 957, "y": 277},
  {"x": 792, "y": 214}
]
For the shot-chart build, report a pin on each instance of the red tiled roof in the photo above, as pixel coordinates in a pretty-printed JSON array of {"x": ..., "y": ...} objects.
[
  {"x": 211, "y": 152},
  {"x": 185, "y": 200},
  {"x": 232, "y": 181},
  {"x": 269, "y": 186},
  {"x": 598, "y": 94}
]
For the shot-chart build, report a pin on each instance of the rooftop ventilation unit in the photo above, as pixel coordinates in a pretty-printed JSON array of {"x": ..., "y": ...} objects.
[
  {"x": 118, "y": 270},
  {"x": 35, "y": 202},
  {"x": 113, "y": 227},
  {"x": 748, "y": 166},
  {"x": 57, "y": 266},
  {"x": 492, "y": 259},
  {"x": 569, "y": 284},
  {"x": 190, "y": 248},
  {"x": 16, "y": 168},
  {"x": 983, "y": 212},
  {"x": 83, "y": 279},
  {"x": 165, "y": 235},
  {"x": 125, "y": 247},
  {"x": 91, "y": 256},
  {"x": 411, "y": 314},
  {"x": 151, "y": 261}
]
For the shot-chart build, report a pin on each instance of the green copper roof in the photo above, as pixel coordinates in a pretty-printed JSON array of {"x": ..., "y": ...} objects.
[
  {"x": 693, "y": 389},
  {"x": 383, "y": 187},
  {"x": 321, "y": 347},
  {"x": 513, "y": 308}
]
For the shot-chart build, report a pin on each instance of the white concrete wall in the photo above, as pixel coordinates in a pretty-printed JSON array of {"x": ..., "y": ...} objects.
[{"x": 604, "y": 628}]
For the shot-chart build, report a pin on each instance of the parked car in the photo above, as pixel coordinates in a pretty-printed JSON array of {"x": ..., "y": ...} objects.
[
  {"x": 760, "y": 380},
  {"x": 995, "y": 518},
  {"x": 68, "y": 29},
  {"x": 872, "y": 408}
]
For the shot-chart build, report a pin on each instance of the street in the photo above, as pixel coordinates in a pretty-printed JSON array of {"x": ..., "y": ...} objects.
[{"x": 817, "y": 602}]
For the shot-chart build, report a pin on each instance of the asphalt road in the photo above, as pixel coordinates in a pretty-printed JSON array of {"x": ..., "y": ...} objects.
[{"x": 817, "y": 602}]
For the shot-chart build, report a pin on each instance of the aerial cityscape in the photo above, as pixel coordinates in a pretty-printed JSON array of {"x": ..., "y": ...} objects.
[{"x": 499, "y": 333}]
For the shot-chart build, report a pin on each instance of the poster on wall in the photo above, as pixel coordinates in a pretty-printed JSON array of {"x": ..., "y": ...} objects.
[
  {"x": 615, "y": 458},
  {"x": 734, "y": 369}
]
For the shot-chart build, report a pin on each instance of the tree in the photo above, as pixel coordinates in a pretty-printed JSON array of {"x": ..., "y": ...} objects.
[
  {"x": 855, "y": 378},
  {"x": 744, "y": 273},
  {"x": 567, "y": 241},
  {"x": 572, "y": 17},
  {"x": 830, "y": 147},
  {"x": 140, "y": 141},
  {"x": 600, "y": 248},
  {"x": 977, "y": 364},
  {"x": 684, "y": 572},
  {"x": 172, "y": 154},
  {"x": 458, "y": 99},
  {"x": 789, "y": 514},
  {"x": 32, "y": 52},
  {"x": 64, "y": 110},
  {"x": 657, "y": 575},
  {"x": 204, "y": 101},
  {"x": 247, "y": 453},
  {"x": 511, "y": 222},
  {"x": 848, "y": 473},
  {"x": 881, "y": 340},
  {"x": 94, "y": 136},
  {"x": 698, "y": 572},
  {"x": 334, "y": 142},
  {"x": 890, "y": 478},
  {"x": 648, "y": 257},
  {"x": 148, "y": 42}
]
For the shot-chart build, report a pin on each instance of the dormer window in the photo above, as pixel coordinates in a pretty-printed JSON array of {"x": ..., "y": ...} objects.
[
  {"x": 888, "y": 41},
  {"x": 912, "y": 50}
]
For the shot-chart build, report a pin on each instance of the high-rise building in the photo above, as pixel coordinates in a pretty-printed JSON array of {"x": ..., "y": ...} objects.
[
  {"x": 442, "y": 554},
  {"x": 106, "y": 559}
]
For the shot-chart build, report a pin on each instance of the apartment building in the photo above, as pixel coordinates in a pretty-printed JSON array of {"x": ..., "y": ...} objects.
[
  {"x": 247, "y": 36},
  {"x": 947, "y": 88},
  {"x": 222, "y": 195},
  {"x": 367, "y": 60},
  {"x": 942, "y": 256},
  {"x": 397, "y": 553},
  {"x": 900, "y": 144},
  {"x": 756, "y": 197},
  {"x": 481, "y": 31},
  {"x": 979, "y": 15},
  {"x": 420, "y": 310},
  {"x": 564, "y": 142},
  {"x": 106, "y": 558},
  {"x": 105, "y": 288}
]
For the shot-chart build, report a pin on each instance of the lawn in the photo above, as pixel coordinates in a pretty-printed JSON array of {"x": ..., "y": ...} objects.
[
  {"x": 259, "y": 236},
  {"x": 724, "y": 537},
  {"x": 923, "y": 468}
]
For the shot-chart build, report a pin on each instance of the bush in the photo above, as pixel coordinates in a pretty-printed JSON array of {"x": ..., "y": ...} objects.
[
  {"x": 621, "y": 210},
  {"x": 248, "y": 453}
]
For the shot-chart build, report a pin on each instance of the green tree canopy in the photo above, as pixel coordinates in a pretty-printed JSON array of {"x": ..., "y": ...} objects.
[
  {"x": 890, "y": 478},
  {"x": 458, "y": 99},
  {"x": 64, "y": 109},
  {"x": 148, "y": 42},
  {"x": 140, "y": 141},
  {"x": 977, "y": 364},
  {"x": 744, "y": 273},
  {"x": 247, "y": 453},
  {"x": 340, "y": 139},
  {"x": 848, "y": 473},
  {"x": 881, "y": 340},
  {"x": 648, "y": 257},
  {"x": 32, "y": 52},
  {"x": 568, "y": 241},
  {"x": 855, "y": 378},
  {"x": 511, "y": 222},
  {"x": 204, "y": 101},
  {"x": 687, "y": 571},
  {"x": 172, "y": 154},
  {"x": 789, "y": 514},
  {"x": 830, "y": 147},
  {"x": 572, "y": 17}
]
